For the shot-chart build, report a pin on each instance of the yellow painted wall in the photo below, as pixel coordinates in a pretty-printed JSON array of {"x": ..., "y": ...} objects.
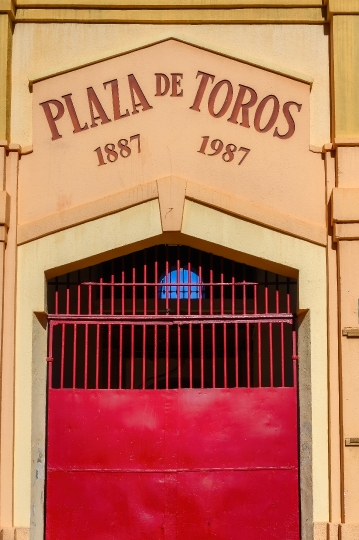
[
  {"x": 102, "y": 237},
  {"x": 42, "y": 48}
]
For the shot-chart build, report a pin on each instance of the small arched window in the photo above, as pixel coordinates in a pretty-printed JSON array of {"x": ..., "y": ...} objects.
[{"x": 181, "y": 283}]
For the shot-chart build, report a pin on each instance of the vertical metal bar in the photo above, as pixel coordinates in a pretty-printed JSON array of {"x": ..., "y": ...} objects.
[
  {"x": 132, "y": 355},
  {"x": 259, "y": 355},
  {"x": 112, "y": 287},
  {"x": 189, "y": 288},
  {"x": 200, "y": 288},
  {"x": 167, "y": 354},
  {"x": 214, "y": 355},
  {"x": 78, "y": 292},
  {"x": 101, "y": 288},
  {"x": 67, "y": 293},
  {"x": 74, "y": 358},
  {"x": 255, "y": 294},
  {"x": 225, "y": 354},
  {"x": 133, "y": 284},
  {"x": 123, "y": 287},
  {"x": 179, "y": 355},
  {"x": 51, "y": 342},
  {"x": 62, "y": 355},
  {"x": 202, "y": 355},
  {"x": 97, "y": 354},
  {"x": 222, "y": 289},
  {"x": 248, "y": 355},
  {"x": 109, "y": 355},
  {"x": 282, "y": 352},
  {"x": 156, "y": 281},
  {"x": 178, "y": 278},
  {"x": 211, "y": 285},
  {"x": 236, "y": 353},
  {"x": 233, "y": 289},
  {"x": 244, "y": 290},
  {"x": 276, "y": 294},
  {"x": 271, "y": 353},
  {"x": 167, "y": 287},
  {"x": 266, "y": 292},
  {"x": 145, "y": 281},
  {"x": 155, "y": 351},
  {"x": 144, "y": 328},
  {"x": 86, "y": 354},
  {"x": 190, "y": 356},
  {"x": 120, "y": 363},
  {"x": 90, "y": 292},
  {"x": 57, "y": 295},
  {"x": 294, "y": 355}
]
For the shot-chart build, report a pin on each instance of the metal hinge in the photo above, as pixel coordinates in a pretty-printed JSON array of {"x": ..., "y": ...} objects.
[
  {"x": 352, "y": 442},
  {"x": 351, "y": 331}
]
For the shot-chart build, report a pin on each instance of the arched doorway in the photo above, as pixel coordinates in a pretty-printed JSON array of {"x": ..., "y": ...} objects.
[{"x": 172, "y": 401}]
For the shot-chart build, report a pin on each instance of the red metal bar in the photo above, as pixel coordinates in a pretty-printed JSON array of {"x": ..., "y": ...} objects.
[
  {"x": 189, "y": 289},
  {"x": 101, "y": 289},
  {"x": 123, "y": 287},
  {"x": 236, "y": 360},
  {"x": 294, "y": 356},
  {"x": 225, "y": 354},
  {"x": 276, "y": 294},
  {"x": 167, "y": 354},
  {"x": 78, "y": 292},
  {"x": 190, "y": 356},
  {"x": 200, "y": 288},
  {"x": 179, "y": 355},
  {"x": 244, "y": 291},
  {"x": 271, "y": 353},
  {"x": 178, "y": 280},
  {"x": 202, "y": 355},
  {"x": 213, "y": 356},
  {"x": 211, "y": 285},
  {"x": 167, "y": 288},
  {"x": 248, "y": 358},
  {"x": 259, "y": 355},
  {"x": 51, "y": 342},
  {"x": 120, "y": 362},
  {"x": 97, "y": 354},
  {"x": 175, "y": 319},
  {"x": 112, "y": 287},
  {"x": 221, "y": 288},
  {"x": 63, "y": 329},
  {"x": 109, "y": 351},
  {"x": 282, "y": 352},
  {"x": 134, "y": 284},
  {"x": 132, "y": 361},
  {"x": 86, "y": 353},
  {"x": 144, "y": 357},
  {"x": 68, "y": 293},
  {"x": 266, "y": 292},
  {"x": 56, "y": 295},
  {"x": 155, "y": 351},
  {"x": 255, "y": 294},
  {"x": 90, "y": 293},
  {"x": 74, "y": 358},
  {"x": 288, "y": 295},
  {"x": 156, "y": 280},
  {"x": 145, "y": 281},
  {"x": 233, "y": 289}
]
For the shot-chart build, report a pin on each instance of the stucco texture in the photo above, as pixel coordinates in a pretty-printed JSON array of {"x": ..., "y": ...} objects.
[{"x": 45, "y": 48}]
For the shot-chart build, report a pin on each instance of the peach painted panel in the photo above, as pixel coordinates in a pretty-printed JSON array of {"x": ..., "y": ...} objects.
[{"x": 201, "y": 103}]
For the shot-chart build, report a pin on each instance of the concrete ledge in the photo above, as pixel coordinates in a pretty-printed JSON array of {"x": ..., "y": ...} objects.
[{"x": 345, "y": 205}]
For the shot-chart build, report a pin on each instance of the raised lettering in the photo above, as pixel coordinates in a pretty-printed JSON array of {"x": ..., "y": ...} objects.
[
  {"x": 73, "y": 115},
  {"x": 159, "y": 78},
  {"x": 176, "y": 84},
  {"x": 94, "y": 102},
  {"x": 201, "y": 89},
  {"x": 273, "y": 117},
  {"x": 135, "y": 89},
  {"x": 239, "y": 105},
  {"x": 51, "y": 119},
  {"x": 227, "y": 101},
  {"x": 290, "y": 120},
  {"x": 116, "y": 100}
]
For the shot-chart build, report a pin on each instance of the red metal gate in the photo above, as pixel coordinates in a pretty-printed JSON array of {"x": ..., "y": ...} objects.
[{"x": 172, "y": 401}]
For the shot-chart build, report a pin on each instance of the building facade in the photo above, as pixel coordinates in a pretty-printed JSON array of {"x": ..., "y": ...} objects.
[{"x": 180, "y": 235}]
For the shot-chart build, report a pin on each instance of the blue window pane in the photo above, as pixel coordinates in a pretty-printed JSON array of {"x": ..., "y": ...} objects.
[{"x": 194, "y": 289}]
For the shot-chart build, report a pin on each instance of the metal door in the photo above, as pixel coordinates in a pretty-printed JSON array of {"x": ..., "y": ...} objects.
[{"x": 172, "y": 401}]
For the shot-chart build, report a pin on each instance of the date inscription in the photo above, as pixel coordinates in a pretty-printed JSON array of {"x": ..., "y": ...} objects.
[
  {"x": 229, "y": 150},
  {"x": 111, "y": 152}
]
